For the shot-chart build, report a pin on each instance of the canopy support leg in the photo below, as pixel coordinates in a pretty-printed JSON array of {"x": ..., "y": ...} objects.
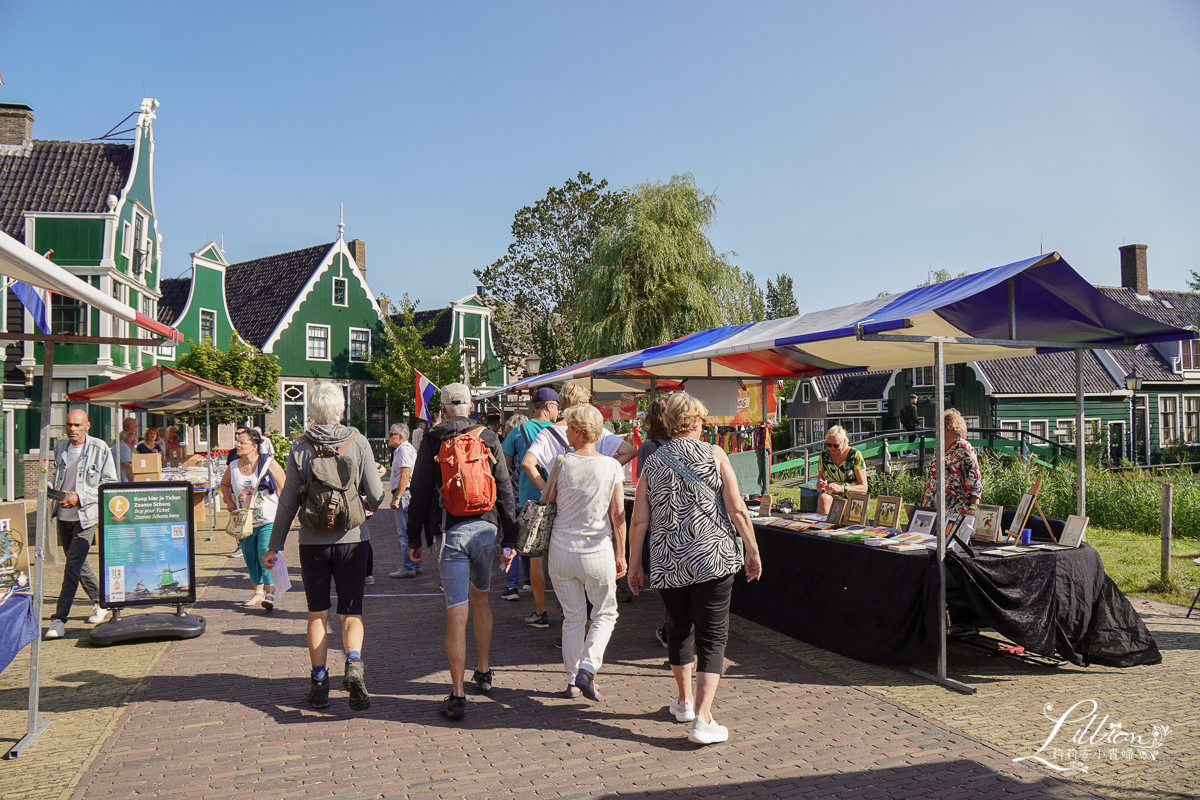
[
  {"x": 44, "y": 541},
  {"x": 208, "y": 492},
  {"x": 1080, "y": 439},
  {"x": 939, "y": 404}
]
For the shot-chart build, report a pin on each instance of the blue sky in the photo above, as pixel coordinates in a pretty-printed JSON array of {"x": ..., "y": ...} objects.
[{"x": 852, "y": 145}]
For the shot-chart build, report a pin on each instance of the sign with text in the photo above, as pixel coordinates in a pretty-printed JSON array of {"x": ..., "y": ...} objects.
[
  {"x": 147, "y": 544},
  {"x": 750, "y": 405},
  {"x": 14, "y": 552}
]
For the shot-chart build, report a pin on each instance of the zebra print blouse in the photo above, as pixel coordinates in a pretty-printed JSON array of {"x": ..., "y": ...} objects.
[{"x": 691, "y": 536}]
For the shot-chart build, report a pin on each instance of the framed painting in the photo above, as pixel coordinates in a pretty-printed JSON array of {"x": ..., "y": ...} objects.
[
  {"x": 987, "y": 524},
  {"x": 1074, "y": 530},
  {"x": 887, "y": 512},
  {"x": 922, "y": 520},
  {"x": 1021, "y": 516},
  {"x": 856, "y": 509},
  {"x": 836, "y": 511}
]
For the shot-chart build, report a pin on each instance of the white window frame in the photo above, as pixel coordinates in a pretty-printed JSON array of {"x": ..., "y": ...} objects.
[
  {"x": 200, "y": 337},
  {"x": 1064, "y": 425},
  {"x": 1193, "y": 400},
  {"x": 467, "y": 355},
  {"x": 284, "y": 403},
  {"x": 804, "y": 393},
  {"x": 1189, "y": 351},
  {"x": 328, "y": 342},
  {"x": 1010, "y": 425},
  {"x": 1045, "y": 423},
  {"x": 1164, "y": 435},
  {"x": 918, "y": 374},
  {"x": 345, "y": 292},
  {"x": 127, "y": 240},
  {"x": 367, "y": 331}
]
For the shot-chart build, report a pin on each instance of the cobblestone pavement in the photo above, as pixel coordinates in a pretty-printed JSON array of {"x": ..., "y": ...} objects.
[{"x": 223, "y": 715}]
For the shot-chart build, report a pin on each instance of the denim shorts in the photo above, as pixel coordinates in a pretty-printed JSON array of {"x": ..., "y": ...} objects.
[{"x": 468, "y": 550}]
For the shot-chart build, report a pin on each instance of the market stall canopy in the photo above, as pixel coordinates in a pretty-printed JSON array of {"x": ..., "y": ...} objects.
[
  {"x": 165, "y": 390},
  {"x": 1050, "y": 302},
  {"x": 20, "y": 263}
]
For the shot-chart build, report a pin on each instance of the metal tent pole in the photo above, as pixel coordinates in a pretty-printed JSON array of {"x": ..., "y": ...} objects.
[
  {"x": 208, "y": 493},
  {"x": 35, "y": 726},
  {"x": 1080, "y": 439},
  {"x": 939, "y": 390}
]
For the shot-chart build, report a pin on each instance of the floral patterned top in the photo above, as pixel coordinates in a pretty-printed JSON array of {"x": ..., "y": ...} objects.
[
  {"x": 843, "y": 473},
  {"x": 963, "y": 479}
]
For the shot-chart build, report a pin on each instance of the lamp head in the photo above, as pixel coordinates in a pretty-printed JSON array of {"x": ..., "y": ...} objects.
[
  {"x": 533, "y": 364},
  {"x": 1133, "y": 381}
]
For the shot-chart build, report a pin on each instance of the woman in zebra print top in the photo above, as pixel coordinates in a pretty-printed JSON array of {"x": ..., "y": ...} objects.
[{"x": 688, "y": 499}]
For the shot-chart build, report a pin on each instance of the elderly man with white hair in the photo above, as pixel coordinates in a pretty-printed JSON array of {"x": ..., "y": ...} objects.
[
  {"x": 469, "y": 545},
  {"x": 403, "y": 458},
  {"x": 328, "y": 551}
]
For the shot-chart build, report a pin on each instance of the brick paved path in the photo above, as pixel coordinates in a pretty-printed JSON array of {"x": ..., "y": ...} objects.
[{"x": 223, "y": 715}]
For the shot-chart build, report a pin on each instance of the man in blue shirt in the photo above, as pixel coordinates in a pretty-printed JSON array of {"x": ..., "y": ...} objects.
[{"x": 543, "y": 411}]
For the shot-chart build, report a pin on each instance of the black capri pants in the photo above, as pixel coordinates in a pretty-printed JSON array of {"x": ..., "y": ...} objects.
[
  {"x": 345, "y": 565},
  {"x": 698, "y": 623}
]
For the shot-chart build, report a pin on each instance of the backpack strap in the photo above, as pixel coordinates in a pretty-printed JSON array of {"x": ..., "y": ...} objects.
[
  {"x": 342, "y": 450},
  {"x": 477, "y": 432}
]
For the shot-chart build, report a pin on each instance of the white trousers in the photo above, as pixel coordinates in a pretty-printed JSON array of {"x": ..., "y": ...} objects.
[{"x": 577, "y": 578}]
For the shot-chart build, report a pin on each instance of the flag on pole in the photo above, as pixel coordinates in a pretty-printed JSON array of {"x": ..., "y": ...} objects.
[
  {"x": 36, "y": 302},
  {"x": 425, "y": 390}
]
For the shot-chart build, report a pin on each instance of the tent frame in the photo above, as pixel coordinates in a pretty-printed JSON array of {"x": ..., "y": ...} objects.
[
  {"x": 35, "y": 724},
  {"x": 939, "y": 389}
]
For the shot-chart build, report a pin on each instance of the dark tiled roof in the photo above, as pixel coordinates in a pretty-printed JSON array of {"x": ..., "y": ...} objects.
[
  {"x": 1049, "y": 373},
  {"x": 260, "y": 291},
  {"x": 1184, "y": 306},
  {"x": 60, "y": 176},
  {"x": 174, "y": 298},
  {"x": 857, "y": 386},
  {"x": 1148, "y": 361},
  {"x": 443, "y": 326}
]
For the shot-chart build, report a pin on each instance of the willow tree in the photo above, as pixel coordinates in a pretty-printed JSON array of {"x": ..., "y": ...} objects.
[{"x": 654, "y": 274}]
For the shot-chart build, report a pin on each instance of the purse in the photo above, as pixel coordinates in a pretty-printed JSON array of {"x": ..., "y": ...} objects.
[
  {"x": 536, "y": 519},
  {"x": 241, "y": 520}
]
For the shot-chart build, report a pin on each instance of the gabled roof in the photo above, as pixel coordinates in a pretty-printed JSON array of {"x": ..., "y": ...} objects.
[
  {"x": 1182, "y": 312},
  {"x": 443, "y": 326},
  {"x": 1048, "y": 373},
  {"x": 259, "y": 292},
  {"x": 73, "y": 177},
  {"x": 858, "y": 386},
  {"x": 1148, "y": 361},
  {"x": 174, "y": 298}
]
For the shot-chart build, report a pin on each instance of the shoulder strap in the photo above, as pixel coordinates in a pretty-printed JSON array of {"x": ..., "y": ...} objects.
[
  {"x": 684, "y": 472},
  {"x": 477, "y": 431},
  {"x": 562, "y": 439},
  {"x": 525, "y": 435},
  {"x": 342, "y": 450}
]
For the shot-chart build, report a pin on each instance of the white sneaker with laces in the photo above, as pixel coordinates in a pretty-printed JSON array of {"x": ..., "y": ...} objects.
[
  {"x": 98, "y": 615},
  {"x": 707, "y": 732},
  {"x": 683, "y": 711}
]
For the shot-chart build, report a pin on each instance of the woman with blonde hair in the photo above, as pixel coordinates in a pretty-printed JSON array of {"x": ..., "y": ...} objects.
[
  {"x": 689, "y": 501},
  {"x": 964, "y": 482},
  {"x": 839, "y": 465},
  {"x": 587, "y": 547}
]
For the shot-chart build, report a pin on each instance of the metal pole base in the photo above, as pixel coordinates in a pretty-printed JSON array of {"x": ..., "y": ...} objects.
[
  {"x": 28, "y": 739},
  {"x": 949, "y": 683}
]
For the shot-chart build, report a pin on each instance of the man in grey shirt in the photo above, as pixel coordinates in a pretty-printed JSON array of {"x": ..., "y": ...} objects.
[{"x": 337, "y": 557}]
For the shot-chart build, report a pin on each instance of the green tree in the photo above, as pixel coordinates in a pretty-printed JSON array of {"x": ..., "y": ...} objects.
[
  {"x": 739, "y": 298},
  {"x": 533, "y": 288},
  {"x": 655, "y": 275},
  {"x": 241, "y": 366},
  {"x": 781, "y": 297},
  {"x": 404, "y": 352}
]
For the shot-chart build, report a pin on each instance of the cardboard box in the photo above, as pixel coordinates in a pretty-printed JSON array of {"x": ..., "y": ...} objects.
[
  {"x": 177, "y": 455},
  {"x": 192, "y": 461},
  {"x": 147, "y": 477},
  {"x": 199, "y": 509},
  {"x": 147, "y": 463}
]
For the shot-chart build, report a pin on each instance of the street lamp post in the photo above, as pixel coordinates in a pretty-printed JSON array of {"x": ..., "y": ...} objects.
[
  {"x": 533, "y": 364},
  {"x": 1133, "y": 382}
]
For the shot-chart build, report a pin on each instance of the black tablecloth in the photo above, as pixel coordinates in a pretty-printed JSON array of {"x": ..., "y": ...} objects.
[{"x": 880, "y": 606}]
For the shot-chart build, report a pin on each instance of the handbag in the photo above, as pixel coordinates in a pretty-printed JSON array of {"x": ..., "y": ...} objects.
[
  {"x": 241, "y": 520},
  {"x": 684, "y": 472},
  {"x": 536, "y": 519}
]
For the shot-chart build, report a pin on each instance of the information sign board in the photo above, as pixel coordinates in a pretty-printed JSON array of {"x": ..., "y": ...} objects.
[{"x": 147, "y": 544}]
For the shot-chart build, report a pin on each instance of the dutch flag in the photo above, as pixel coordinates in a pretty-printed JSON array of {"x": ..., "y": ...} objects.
[
  {"x": 425, "y": 390},
  {"x": 36, "y": 302}
]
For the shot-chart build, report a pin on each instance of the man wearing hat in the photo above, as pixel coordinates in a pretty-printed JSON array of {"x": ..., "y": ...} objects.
[{"x": 543, "y": 411}]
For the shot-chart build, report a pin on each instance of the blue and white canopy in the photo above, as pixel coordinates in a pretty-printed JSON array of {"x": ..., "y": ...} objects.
[{"x": 1051, "y": 303}]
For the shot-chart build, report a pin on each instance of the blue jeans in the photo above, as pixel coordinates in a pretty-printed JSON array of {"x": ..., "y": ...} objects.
[
  {"x": 402, "y": 532},
  {"x": 514, "y": 571},
  {"x": 468, "y": 550}
]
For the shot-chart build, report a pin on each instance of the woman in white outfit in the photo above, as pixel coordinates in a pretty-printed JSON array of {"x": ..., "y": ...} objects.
[{"x": 587, "y": 548}]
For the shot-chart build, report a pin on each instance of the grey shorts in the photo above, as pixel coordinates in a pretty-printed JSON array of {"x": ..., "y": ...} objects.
[{"x": 468, "y": 550}]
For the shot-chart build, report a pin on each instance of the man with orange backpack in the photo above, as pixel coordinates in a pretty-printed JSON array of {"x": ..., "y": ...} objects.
[{"x": 460, "y": 490}]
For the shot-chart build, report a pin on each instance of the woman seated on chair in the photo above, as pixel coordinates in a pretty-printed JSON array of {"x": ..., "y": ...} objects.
[{"x": 840, "y": 464}]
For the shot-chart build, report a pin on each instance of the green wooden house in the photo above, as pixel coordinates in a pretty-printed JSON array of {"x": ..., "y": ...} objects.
[
  {"x": 90, "y": 207},
  {"x": 467, "y": 322}
]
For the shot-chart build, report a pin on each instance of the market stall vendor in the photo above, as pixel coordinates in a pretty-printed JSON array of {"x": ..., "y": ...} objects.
[
  {"x": 964, "y": 483},
  {"x": 840, "y": 464}
]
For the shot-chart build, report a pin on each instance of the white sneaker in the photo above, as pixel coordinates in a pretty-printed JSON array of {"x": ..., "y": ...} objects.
[
  {"x": 99, "y": 615},
  {"x": 707, "y": 732},
  {"x": 683, "y": 711}
]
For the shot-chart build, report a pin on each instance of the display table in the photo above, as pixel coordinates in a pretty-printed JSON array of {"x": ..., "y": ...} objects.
[
  {"x": 881, "y": 606},
  {"x": 17, "y": 627}
]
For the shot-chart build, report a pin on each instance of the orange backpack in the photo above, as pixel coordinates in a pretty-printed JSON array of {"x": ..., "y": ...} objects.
[{"x": 468, "y": 488}]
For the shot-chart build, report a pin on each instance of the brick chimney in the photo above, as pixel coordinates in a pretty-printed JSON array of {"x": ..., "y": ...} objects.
[
  {"x": 358, "y": 248},
  {"x": 1133, "y": 269},
  {"x": 16, "y": 127}
]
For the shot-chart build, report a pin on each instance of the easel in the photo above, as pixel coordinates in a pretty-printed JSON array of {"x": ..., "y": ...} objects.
[{"x": 1033, "y": 490}]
